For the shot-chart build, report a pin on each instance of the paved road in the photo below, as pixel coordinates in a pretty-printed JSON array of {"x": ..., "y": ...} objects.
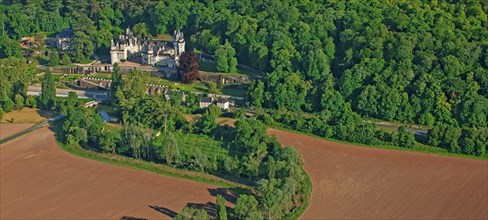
[
  {"x": 419, "y": 133},
  {"x": 101, "y": 96}
]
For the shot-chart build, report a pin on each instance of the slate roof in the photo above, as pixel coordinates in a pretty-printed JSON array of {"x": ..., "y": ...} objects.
[
  {"x": 207, "y": 99},
  {"x": 66, "y": 33}
]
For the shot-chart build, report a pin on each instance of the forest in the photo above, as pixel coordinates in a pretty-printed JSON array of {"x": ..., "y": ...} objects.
[
  {"x": 417, "y": 61},
  {"x": 421, "y": 62}
]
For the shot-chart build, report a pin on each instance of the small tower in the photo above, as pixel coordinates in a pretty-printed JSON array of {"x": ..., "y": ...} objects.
[
  {"x": 179, "y": 43},
  {"x": 113, "y": 52},
  {"x": 150, "y": 54}
]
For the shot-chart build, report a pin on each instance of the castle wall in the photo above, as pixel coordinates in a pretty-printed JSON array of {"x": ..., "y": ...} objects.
[{"x": 166, "y": 61}]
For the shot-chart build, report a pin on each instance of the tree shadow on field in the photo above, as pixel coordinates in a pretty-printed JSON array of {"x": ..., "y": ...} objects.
[
  {"x": 210, "y": 207},
  {"x": 131, "y": 218},
  {"x": 228, "y": 194},
  {"x": 168, "y": 212}
]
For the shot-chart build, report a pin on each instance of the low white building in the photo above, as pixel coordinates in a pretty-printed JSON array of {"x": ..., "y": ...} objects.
[
  {"x": 223, "y": 104},
  {"x": 205, "y": 102}
]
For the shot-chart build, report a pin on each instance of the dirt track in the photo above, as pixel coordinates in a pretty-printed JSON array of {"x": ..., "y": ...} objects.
[
  {"x": 352, "y": 182},
  {"x": 40, "y": 181},
  {"x": 7, "y": 129}
]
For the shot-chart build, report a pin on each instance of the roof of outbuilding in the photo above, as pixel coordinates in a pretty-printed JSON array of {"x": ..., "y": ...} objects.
[
  {"x": 206, "y": 99},
  {"x": 66, "y": 33},
  {"x": 223, "y": 101}
]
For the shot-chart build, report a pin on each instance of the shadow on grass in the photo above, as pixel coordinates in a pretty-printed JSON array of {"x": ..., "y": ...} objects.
[{"x": 47, "y": 113}]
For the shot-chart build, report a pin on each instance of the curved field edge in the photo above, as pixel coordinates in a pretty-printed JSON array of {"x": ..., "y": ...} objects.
[
  {"x": 177, "y": 173},
  {"x": 152, "y": 167},
  {"x": 422, "y": 149},
  {"x": 123, "y": 161}
]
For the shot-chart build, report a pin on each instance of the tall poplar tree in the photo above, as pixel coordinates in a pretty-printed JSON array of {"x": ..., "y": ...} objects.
[
  {"x": 48, "y": 91},
  {"x": 116, "y": 79},
  {"x": 222, "y": 212}
]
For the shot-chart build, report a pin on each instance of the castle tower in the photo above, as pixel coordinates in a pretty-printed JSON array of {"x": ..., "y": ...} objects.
[
  {"x": 150, "y": 54},
  {"x": 179, "y": 43},
  {"x": 113, "y": 52},
  {"x": 123, "y": 48}
]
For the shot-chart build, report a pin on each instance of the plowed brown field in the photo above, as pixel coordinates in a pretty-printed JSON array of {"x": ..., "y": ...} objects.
[
  {"x": 7, "y": 129},
  {"x": 40, "y": 181},
  {"x": 351, "y": 182}
]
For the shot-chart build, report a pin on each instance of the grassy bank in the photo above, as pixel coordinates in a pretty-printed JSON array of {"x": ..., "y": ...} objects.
[{"x": 28, "y": 115}]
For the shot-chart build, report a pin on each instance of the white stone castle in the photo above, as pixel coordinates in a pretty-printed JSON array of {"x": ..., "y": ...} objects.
[{"x": 152, "y": 52}]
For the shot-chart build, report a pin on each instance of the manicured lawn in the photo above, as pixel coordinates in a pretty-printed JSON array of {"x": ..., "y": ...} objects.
[
  {"x": 102, "y": 75},
  {"x": 250, "y": 73},
  {"x": 85, "y": 61},
  {"x": 235, "y": 90},
  {"x": 60, "y": 79},
  {"x": 208, "y": 67},
  {"x": 60, "y": 65},
  {"x": 195, "y": 87}
]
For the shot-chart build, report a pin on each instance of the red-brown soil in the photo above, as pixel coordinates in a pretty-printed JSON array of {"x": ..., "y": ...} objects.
[
  {"x": 351, "y": 182},
  {"x": 41, "y": 181},
  {"x": 7, "y": 129}
]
